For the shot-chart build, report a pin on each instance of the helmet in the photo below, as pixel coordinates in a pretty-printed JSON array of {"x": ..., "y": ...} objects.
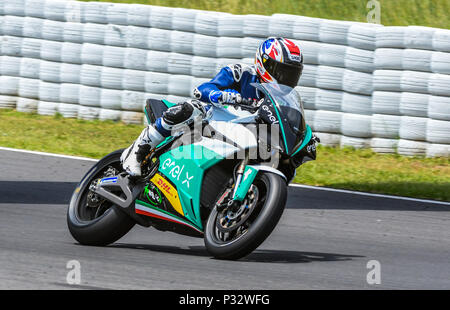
[{"x": 279, "y": 60}]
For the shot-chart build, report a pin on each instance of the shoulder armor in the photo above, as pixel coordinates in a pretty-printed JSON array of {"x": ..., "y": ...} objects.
[{"x": 239, "y": 69}]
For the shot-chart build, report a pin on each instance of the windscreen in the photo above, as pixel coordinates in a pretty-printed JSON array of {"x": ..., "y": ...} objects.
[{"x": 289, "y": 106}]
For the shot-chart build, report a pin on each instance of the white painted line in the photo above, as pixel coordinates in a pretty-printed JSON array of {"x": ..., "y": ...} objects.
[
  {"x": 345, "y": 191},
  {"x": 369, "y": 194},
  {"x": 47, "y": 154}
]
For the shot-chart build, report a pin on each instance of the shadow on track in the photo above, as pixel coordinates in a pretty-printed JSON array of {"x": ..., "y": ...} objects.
[
  {"x": 37, "y": 192},
  {"x": 305, "y": 198},
  {"x": 258, "y": 256}
]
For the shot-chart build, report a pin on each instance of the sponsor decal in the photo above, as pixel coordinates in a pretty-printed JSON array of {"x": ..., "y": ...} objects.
[
  {"x": 311, "y": 148},
  {"x": 153, "y": 194},
  {"x": 270, "y": 115},
  {"x": 169, "y": 192},
  {"x": 176, "y": 171},
  {"x": 247, "y": 173}
]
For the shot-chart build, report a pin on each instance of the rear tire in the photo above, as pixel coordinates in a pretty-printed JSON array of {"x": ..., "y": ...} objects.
[
  {"x": 269, "y": 214},
  {"x": 108, "y": 227}
]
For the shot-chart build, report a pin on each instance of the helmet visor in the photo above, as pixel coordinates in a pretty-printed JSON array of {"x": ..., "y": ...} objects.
[{"x": 284, "y": 73}]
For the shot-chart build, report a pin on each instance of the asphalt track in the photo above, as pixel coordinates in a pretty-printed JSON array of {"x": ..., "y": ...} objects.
[{"x": 324, "y": 241}]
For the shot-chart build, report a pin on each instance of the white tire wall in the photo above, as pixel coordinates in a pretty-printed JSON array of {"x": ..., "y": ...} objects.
[
  {"x": 358, "y": 82},
  {"x": 47, "y": 108},
  {"x": 388, "y": 59},
  {"x": 412, "y": 148},
  {"x": 307, "y": 28},
  {"x": 380, "y": 145},
  {"x": 28, "y": 88},
  {"x": 385, "y": 126},
  {"x": 356, "y": 125},
  {"x": 329, "y": 100},
  {"x": 88, "y": 113},
  {"x": 438, "y": 150},
  {"x": 362, "y": 37},
  {"x": 441, "y": 40},
  {"x": 440, "y": 63},
  {"x": 390, "y": 37},
  {"x": 417, "y": 37},
  {"x": 438, "y": 131},
  {"x": 360, "y": 60},
  {"x": 387, "y": 80},
  {"x": 384, "y": 102},
  {"x": 327, "y": 121},
  {"x": 357, "y": 143},
  {"x": 112, "y": 115},
  {"x": 357, "y": 104},
  {"x": 329, "y": 139},
  {"x": 438, "y": 85},
  {"x": 8, "y": 102},
  {"x": 363, "y": 85},
  {"x": 308, "y": 95},
  {"x": 413, "y": 128},
  {"x": 27, "y": 105},
  {"x": 69, "y": 93},
  {"x": 417, "y": 60},
  {"x": 412, "y": 104},
  {"x": 439, "y": 108}
]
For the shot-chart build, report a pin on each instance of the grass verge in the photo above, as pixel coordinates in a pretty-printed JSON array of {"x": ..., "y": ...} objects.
[
  {"x": 432, "y": 13},
  {"x": 360, "y": 170}
]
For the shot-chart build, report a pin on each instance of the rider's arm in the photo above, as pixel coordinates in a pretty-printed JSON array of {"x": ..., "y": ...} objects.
[{"x": 211, "y": 92}]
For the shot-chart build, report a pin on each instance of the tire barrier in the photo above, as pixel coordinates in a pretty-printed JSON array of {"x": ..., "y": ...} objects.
[
  {"x": 439, "y": 108},
  {"x": 27, "y": 105},
  {"x": 281, "y": 25},
  {"x": 47, "y": 108},
  {"x": 329, "y": 139},
  {"x": 356, "y": 125},
  {"x": 363, "y": 85},
  {"x": 413, "y": 128},
  {"x": 356, "y": 104},
  {"x": 385, "y": 126},
  {"x": 438, "y": 150},
  {"x": 381, "y": 145},
  {"x": 411, "y": 148},
  {"x": 8, "y": 102},
  {"x": 329, "y": 100},
  {"x": 357, "y": 143},
  {"x": 362, "y": 36}
]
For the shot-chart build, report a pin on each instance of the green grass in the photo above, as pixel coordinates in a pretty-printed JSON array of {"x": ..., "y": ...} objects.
[
  {"x": 360, "y": 170},
  {"x": 432, "y": 13}
]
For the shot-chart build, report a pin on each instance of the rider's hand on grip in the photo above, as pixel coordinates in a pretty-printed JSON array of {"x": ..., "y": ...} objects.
[{"x": 230, "y": 96}]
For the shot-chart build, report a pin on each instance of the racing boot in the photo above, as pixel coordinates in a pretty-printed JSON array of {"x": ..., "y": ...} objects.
[
  {"x": 151, "y": 136},
  {"x": 132, "y": 157}
]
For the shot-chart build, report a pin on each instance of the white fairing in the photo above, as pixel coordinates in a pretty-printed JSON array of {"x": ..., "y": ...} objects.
[
  {"x": 237, "y": 133},
  {"x": 221, "y": 148}
]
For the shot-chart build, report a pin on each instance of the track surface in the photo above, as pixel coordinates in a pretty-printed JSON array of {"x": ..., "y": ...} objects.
[{"x": 324, "y": 241}]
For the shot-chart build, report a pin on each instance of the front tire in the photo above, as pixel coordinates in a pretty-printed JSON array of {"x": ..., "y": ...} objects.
[
  {"x": 102, "y": 225},
  {"x": 272, "y": 191}
]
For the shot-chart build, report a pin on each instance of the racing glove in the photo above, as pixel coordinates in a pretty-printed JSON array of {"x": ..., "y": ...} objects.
[{"x": 230, "y": 96}]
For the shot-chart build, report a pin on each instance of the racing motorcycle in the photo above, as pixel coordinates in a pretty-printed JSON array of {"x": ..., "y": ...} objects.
[{"x": 224, "y": 180}]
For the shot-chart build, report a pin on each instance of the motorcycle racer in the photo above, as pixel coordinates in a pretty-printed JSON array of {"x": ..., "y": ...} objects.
[{"x": 277, "y": 60}]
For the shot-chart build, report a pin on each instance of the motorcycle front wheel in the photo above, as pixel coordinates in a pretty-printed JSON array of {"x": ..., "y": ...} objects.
[
  {"x": 233, "y": 235},
  {"x": 91, "y": 219}
]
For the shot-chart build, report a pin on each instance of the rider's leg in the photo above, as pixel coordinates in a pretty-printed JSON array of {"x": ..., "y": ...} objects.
[{"x": 155, "y": 133}]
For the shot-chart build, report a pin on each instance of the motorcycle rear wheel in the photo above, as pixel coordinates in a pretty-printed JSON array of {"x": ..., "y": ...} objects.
[
  {"x": 95, "y": 226},
  {"x": 272, "y": 195}
]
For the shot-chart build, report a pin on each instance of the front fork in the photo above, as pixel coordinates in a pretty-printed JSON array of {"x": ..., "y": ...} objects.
[{"x": 244, "y": 179}]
